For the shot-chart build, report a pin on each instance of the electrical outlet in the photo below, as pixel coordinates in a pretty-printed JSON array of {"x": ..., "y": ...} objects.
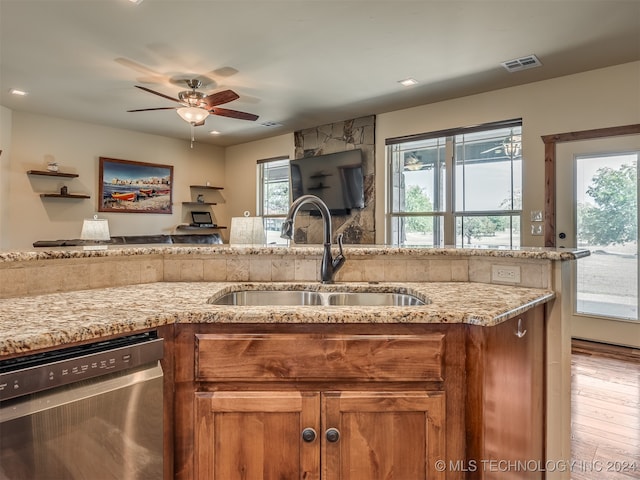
[{"x": 505, "y": 273}]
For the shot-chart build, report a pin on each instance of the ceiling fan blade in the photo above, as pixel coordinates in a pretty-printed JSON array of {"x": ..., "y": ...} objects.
[
  {"x": 149, "y": 109},
  {"x": 219, "y": 98},
  {"x": 224, "y": 112},
  {"x": 148, "y": 75},
  {"x": 492, "y": 150},
  {"x": 158, "y": 93}
]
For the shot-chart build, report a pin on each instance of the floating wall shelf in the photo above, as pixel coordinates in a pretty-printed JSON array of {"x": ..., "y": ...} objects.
[
  {"x": 207, "y": 187},
  {"x": 47, "y": 173},
  {"x": 59, "y": 195},
  {"x": 192, "y": 204}
]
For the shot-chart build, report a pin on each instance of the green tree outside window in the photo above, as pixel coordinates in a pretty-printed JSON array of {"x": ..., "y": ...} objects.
[
  {"x": 418, "y": 201},
  {"x": 613, "y": 219}
]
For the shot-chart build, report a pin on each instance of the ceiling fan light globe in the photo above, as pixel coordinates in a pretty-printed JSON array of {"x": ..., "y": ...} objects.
[{"x": 193, "y": 114}]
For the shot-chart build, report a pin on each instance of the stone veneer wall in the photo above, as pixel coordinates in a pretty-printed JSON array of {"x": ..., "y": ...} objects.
[{"x": 359, "y": 226}]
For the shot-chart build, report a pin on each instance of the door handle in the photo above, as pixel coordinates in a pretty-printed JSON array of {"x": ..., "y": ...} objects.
[
  {"x": 520, "y": 332},
  {"x": 332, "y": 435},
  {"x": 308, "y": 435}
]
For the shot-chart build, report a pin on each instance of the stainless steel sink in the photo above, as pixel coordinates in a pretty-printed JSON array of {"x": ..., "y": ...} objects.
[
  {"x": 268, "y": 297},
  {"x": 373, "y": 299},
  {"x": 304, "y": 297}
]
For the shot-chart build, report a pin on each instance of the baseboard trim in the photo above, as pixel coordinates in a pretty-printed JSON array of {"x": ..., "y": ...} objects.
[{"x": 588, "y": 347}]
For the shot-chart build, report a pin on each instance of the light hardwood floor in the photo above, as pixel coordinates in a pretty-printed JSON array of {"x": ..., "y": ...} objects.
[{"x": 605, "y": 418}]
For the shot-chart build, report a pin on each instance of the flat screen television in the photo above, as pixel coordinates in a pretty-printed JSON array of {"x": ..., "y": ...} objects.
[{"x": 336, "y": 178}]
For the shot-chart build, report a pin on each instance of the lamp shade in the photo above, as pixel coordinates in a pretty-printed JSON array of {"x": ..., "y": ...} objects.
[
  {"x": 247, "y": 231},
  {"x": 193, "y": 114},
  {"x": 95, "y": 229}
]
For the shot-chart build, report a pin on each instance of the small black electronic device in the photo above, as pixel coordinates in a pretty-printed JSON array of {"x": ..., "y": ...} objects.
[{"x": 202, "y": 219}]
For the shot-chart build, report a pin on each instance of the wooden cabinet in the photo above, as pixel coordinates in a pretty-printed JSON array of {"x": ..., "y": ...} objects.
[
  {"x": 324, "y": 402},
  {"x": 274, "y": 357},
  {"x": 360, "y": 402},
  {"x": 380, "y": 435},
  {"x": 359, "y": 431},
  {"x": 256, "y": 435},
  {"x": 352, "y": 432},
  {"x": 506, "y": 397},
  {"x": 361, "y": 435}
]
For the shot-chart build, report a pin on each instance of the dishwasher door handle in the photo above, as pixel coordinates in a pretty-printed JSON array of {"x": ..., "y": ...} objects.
[{"x": 50, "y": 399}]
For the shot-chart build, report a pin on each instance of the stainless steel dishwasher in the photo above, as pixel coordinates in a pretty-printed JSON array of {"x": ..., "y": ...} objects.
[{"x": 87, "y": 412}]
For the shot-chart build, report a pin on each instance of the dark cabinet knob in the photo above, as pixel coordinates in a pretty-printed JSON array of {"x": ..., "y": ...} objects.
[
  {"x": 562, "y": 235},
  {"x": 308, "y": 435},
  {"x": 333, "y": 435}
]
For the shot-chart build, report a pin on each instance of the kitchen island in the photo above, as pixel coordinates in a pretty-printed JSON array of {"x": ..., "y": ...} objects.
[
  {"x": 467, "y": 323},
  {"x": 52, "y": 320}
]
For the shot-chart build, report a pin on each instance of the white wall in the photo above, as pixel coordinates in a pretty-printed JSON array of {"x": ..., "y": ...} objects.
[
  {"x": 600, "y": 98},
  {"x": 241, "y": 172},
  {"x": 36, "y": 139},
  {"x": 5, "y": 146},
  {"x": 596, "y": 99}
]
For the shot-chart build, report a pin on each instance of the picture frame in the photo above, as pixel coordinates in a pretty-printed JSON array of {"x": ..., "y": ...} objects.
[{"x": 127, "y": 186}]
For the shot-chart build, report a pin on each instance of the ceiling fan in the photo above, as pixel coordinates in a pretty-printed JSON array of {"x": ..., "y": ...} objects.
[{"x": 196, "y": 106}]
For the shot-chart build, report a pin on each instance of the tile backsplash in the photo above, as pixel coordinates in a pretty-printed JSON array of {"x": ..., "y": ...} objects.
[{"x": 61, "y": 275}]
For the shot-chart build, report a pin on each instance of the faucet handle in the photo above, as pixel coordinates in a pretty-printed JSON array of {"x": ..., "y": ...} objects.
[
  {"x": 340, "y": 259},
  {"x": 339, "y": 240},
  {"x": 286, "y": 229}
]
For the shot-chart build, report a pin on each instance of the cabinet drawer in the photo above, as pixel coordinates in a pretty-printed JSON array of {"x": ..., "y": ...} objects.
[{"x": 274, "y": 357}]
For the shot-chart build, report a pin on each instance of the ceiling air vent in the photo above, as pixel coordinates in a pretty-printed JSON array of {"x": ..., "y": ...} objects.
[
  {"x": 522, "y": 63},
  {"x": 271, "y": 124}
]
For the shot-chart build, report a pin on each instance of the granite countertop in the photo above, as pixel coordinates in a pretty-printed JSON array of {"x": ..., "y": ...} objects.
[
  {"x": 360, "y": 250},
  {"x": 51, "y": 320}
]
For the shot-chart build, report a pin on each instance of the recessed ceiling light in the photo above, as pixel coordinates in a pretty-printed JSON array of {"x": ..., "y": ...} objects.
[
  {"x": 15, "y": 91},
  {"x": 214, "y": 132},
  {"x": 407, "y": 82},
  {"x": 137, "y": 2}
]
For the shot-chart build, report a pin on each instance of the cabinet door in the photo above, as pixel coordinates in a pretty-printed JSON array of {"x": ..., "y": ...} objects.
[
  {"x": 256, "y": 436},
  {"x": 383, "y": 435},
  {"x": 513, "y": 403}
]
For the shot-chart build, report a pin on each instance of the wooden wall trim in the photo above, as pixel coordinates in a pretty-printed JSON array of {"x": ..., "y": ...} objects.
[
  {"x": 549, "y": 194},
  {"x": 550, "y": 142}
]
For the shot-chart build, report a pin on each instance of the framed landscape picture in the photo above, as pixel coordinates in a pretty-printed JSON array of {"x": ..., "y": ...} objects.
[{"x": 134, "y": 187}]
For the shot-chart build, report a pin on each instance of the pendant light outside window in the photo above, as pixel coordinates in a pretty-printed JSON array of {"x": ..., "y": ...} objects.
[{"x": 193, "y": 114}]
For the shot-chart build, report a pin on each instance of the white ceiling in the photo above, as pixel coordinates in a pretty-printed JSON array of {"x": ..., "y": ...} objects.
[{"x": 298, "y": 63}]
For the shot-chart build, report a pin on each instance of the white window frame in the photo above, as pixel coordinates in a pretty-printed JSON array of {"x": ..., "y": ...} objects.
[
  {"x": 449, "y": 214},
  {"x": 260, "y": 187}
]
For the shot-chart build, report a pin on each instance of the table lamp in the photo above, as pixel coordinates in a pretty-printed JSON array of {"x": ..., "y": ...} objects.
[
  {"x": 96, "y": 230},
  {"x": 247, "y": 231}
]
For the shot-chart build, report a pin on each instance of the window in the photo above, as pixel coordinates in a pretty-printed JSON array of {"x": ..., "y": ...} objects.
[
  {"x": 460, "y": 187},
  {"x": 273, "y": 196},
  {"x": 606, "y": 203}
]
